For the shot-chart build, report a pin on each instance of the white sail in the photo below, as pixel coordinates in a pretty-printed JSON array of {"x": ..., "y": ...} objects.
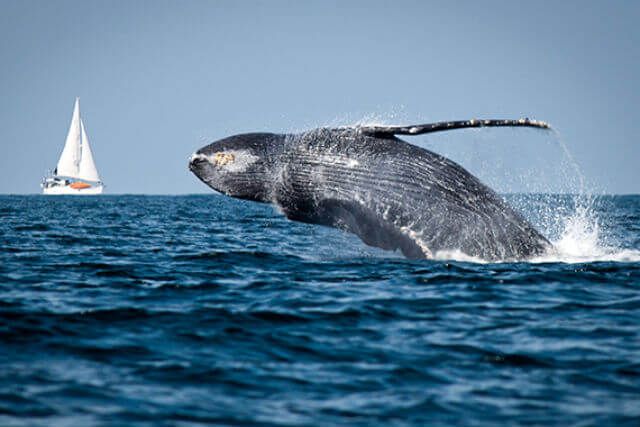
[
  {"x": 87, "y": 168},
  {"x": 69, "y": 163}
]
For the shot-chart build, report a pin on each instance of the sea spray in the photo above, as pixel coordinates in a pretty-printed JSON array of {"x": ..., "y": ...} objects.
[{"x": 580, "y": 237}]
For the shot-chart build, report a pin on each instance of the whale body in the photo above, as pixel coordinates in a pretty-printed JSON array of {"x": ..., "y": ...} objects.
[{"x": 366, "y": 181}]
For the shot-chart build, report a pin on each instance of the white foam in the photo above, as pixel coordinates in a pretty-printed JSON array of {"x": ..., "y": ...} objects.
[
  {"x": 458, "y": 255},
  {"x": 414, "y": 236},
  {"x": 581, "y": 241}
]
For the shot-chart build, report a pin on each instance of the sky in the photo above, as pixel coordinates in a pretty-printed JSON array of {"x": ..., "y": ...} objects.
[{"x": 159, "y": 79}]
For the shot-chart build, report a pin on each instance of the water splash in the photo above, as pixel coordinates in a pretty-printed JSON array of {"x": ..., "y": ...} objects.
[
  {"x": 581, "y": 235},
  {"x": 571, "y": 161},
  {"x": 582, "y": 238}
]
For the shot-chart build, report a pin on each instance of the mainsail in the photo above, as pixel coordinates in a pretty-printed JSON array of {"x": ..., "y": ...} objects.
[
  {"x": 76, "y": 160},
  {"x": 69, "y": 162},
  {"x": 87, "y": 168}
]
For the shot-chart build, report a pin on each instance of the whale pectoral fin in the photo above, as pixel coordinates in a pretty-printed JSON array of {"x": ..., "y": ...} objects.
[
  {"x": 369, "y": 227},
  {"x": 387, "y": 131}
]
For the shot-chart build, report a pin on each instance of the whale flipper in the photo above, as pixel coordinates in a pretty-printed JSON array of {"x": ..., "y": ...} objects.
[{"x": 388, "y": 131}]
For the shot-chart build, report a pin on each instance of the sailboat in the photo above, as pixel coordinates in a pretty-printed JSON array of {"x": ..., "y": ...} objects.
[{"x": 76, "y": 171}]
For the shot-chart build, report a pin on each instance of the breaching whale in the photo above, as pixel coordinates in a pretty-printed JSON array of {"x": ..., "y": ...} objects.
[{"x": 365, "y": 180}]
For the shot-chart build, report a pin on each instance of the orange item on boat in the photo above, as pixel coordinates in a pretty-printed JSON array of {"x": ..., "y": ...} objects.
[{"x": 80, "y": 185}]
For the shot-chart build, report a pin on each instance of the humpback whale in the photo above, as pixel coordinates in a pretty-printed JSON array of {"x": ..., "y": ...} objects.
[{"x": 367, "y": 181}]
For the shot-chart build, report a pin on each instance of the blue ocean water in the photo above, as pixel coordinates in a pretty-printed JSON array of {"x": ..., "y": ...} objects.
[{"x": 206, "y": 310}]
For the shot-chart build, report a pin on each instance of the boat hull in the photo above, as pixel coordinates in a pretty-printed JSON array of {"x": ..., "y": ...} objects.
[{"x": 66, "y": 189}]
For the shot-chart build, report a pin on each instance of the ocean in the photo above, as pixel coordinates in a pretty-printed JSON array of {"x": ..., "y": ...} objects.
[{"x": 206, "y": 310}]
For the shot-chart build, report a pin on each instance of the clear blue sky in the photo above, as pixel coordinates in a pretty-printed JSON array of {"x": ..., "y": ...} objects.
[{"x": 159, "y": 79}]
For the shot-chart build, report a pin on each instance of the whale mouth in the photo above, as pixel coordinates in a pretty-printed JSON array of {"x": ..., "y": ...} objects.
[
  {"x": 197, "y": 156},
  {"x": 198, "y": 163},
  {"x": 200, "y": 159},
  {"x": 192, "y": 162}
]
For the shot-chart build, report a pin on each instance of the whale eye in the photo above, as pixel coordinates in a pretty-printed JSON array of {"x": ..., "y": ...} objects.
[{"x": 223, "y": 158}]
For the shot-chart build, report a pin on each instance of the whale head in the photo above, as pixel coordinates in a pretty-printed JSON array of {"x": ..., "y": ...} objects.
[{"x": 239, "y": 166}]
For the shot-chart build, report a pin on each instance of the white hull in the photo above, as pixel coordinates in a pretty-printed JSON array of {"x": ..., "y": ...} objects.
[{"x": 59, "y": 190}]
